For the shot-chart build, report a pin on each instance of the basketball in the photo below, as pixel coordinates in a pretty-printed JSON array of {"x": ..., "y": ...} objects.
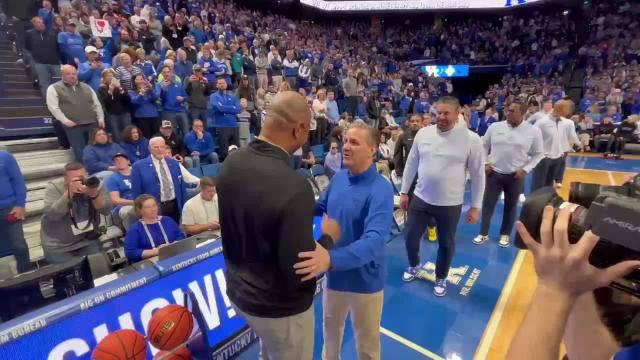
[
  {"x": 170, "y": 327},
  {"x": 182, "y": 353},
  {"x": 121, "y": 345}
]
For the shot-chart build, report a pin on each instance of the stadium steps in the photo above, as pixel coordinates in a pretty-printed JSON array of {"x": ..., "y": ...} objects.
[{"x": 22, "y": 109}]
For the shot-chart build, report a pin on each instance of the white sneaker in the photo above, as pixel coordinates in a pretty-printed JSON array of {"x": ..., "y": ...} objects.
[
  {"x": 480, "y": 239},
  {"x": 501, "y": 196},
  {"x": 504, "y": 241},
  {"x": 440, "y": 289},
  {"x": 411, "y": 273},
  {"x": 522, "y": 198},
  {"x": 557, "y": 185}
]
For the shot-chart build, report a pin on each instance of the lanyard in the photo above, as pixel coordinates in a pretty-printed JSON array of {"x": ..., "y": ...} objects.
[{"x": 164, "y": 234}]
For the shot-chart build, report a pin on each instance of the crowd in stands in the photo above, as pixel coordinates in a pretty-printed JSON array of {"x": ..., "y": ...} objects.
[{"x": 179, "y": 85}]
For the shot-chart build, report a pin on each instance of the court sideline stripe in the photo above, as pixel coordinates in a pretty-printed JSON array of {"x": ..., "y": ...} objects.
[
  {"x": 496, "y": 316},
  {"x": 410, "y": 344},
  {"x": 611, "y": 181}
]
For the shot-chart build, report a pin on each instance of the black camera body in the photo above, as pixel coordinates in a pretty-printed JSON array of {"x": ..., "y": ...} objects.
[
  {"x": 611, "y": 212},
  {"x": 91, "y": 182}
]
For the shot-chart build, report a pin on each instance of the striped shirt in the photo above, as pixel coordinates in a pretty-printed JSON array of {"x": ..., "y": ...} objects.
[{"x": 126, "y": 76}]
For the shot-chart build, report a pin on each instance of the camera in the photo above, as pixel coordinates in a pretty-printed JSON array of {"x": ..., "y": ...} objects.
[
  {"x": 91, "y": 182},
  {"x": 611, "y": 212}
]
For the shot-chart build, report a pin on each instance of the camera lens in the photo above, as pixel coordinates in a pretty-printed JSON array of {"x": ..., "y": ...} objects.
[{"x": 92, "y": 182}]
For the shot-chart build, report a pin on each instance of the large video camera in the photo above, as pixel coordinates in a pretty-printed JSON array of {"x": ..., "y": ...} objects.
[{"x": 611, "y": 212}]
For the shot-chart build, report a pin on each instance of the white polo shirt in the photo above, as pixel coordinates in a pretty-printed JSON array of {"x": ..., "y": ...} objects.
[
  {"x": 196, "y": 211},
  {"x": 511, "y": 148},
  {"x": 557, "y": 136}
]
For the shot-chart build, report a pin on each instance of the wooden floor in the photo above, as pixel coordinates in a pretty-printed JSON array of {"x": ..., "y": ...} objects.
[{"x": 515, "y": 299}]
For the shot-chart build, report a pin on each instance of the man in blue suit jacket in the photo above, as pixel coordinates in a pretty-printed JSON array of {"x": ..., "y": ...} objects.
[{"x": 160, "y": 177}]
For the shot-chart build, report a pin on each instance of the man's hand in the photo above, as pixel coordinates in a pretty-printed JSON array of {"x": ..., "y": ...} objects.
[
  {"x": 473, "y": 214},
  {"x": 404, "y": 201},
  {"x": 520, "y": 174},
  {"x": 331, "y": 228},
  {"x": 488, "y": 169},
  {"x": 18, "y": 212},
  {"x": 179, "y": 98},
  {"x": 92, "y": 193},
  {"x": 199, "y": 134},
  {"x": 76, "y": 186},
  {"x": 94, "y": 65},
  {"x": 318, "y": 262},
  {"x": 213, "y": 224},
  {"x": 564, "y": 268},
  {"x": 178, "y": 158},
  {"x": 70, "y": 123}
]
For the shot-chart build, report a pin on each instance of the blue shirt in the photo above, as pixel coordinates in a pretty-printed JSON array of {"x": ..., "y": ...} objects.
[
  {"x": 223, "y": 108},
  {"x": 144, "y": 106},
  {"x": 363, "y": 206},
  {"x": 137, "y": 239},
  {"x": 13, "y": 191},
  {"x": 169, "y": 96},
  {"x": 121, "y": 184},
  {"x": 136, "y": 150},
  {"x": 203, "y": 146},
  {"x": 628, "y": 353},
  {"x": 71, "y": 47},
  {"x": 90, "y": 76},
  {"x": 98, "y": 157}
]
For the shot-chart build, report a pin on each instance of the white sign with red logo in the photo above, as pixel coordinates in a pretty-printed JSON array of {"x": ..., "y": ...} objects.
[{"x": 100, "y": 27}]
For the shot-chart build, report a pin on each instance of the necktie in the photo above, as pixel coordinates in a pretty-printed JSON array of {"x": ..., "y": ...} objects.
[{"x": 166, "y": 184}]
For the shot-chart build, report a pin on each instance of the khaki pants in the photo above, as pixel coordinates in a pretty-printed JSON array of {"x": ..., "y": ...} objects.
[
  {"x": 263, "y": 81},
  {"x": 366, "y": 313},
  {"x": 284, "y": 338},
  {"x": 277, "y": 80}
]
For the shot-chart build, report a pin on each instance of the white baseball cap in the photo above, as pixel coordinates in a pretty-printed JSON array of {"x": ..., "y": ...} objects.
[{"x": 90, "y": 49}]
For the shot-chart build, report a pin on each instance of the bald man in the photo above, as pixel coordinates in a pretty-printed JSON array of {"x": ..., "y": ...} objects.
[
  {"x": 266, "y": 218},
  {"x": 76, "y": 106},
  {"x": 558, "y": 134}
]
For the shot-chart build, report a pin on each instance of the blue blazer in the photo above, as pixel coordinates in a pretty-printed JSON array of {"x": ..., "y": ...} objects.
[{"x": 144, "y": 180}]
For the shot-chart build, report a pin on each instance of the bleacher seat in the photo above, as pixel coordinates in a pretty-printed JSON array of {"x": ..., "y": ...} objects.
[
  {"x": 319, "y": 152},
  {"x": 211, "y": 170},
  {"x": 320, "y": 176},
  {"x": 306, "y": 173},
  {"x": 196, "y": 172}
]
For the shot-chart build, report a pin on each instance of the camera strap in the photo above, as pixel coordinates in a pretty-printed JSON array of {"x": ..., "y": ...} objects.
[
  {"x": 146, "y": 230},
  {"x": 92, "y": 213}
]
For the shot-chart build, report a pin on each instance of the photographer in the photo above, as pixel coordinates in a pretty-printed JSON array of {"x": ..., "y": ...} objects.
[
  {"x": 563, "y": 302},
  {"x": 71, "y": 220}
]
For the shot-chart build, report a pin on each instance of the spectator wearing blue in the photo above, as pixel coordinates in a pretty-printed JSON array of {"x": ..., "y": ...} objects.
[
  {"x": 161, "y": 177},
  {"x": 405, "y": 103},
  {"x": 120, "y": 193},
  {"x": 152, "y": 232},
  {"x": 90, "y": 71},
  {"x": 200, "y": 145},
  {"x": 134, "y": 144},
  {"x": 97, "y": 156},
  {"x": 71, "y": 45},
  {"x": 145, "y": 110},
  {"x": 361, "y": 201},
  {"x": 173, "y": 97},
  {"x": 13, "y": 197},
  {"x": 145, "y": 65},
  {"x": 586, "y": 102},
  {"x": 333, "y": 115},
  {"x": 223, "y": 108},
  {"x": 222, "y": 68},
  {"x": 183, "y": 66},
  {"x": 105, "y": 52},
  {"x": 291, "y": 66},
  {"x": 209, "y": 65},
  {"x": 422, "y": 104},
  {"x": 46, "y": 13}
]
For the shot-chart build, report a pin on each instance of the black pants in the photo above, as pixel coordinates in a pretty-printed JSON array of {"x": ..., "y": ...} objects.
[
  {"x": 351, "y": 105},
  {"x": 58, "y": 128},
  {"x": 512, "y": 187},
  {"x": 227, "y": 137},
  {"x": 560, "y": 170},
  {"x": 616, "y": 145},
  {"x": 170, "y": 209},
  {"x": 446, "y": 218},
  {"x": 545, "y": 172},
  {"x": 148, "y": 125}
]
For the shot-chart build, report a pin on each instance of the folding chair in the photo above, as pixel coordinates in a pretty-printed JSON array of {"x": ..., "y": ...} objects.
[
  {"x": 197, "y": 172},
  {"x": 318, "y": 152}
]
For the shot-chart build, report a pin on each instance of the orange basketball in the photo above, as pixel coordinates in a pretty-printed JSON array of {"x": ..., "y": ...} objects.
[
  {"x": 121, "y": 345},
  {"x": 170, "y": 327},
  {"x": 181, "y": 353}
]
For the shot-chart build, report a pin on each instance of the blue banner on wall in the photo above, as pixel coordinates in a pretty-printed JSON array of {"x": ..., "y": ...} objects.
[
  {"x": 71, "y": 329},
  {"x": 446, "y": 70}
]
